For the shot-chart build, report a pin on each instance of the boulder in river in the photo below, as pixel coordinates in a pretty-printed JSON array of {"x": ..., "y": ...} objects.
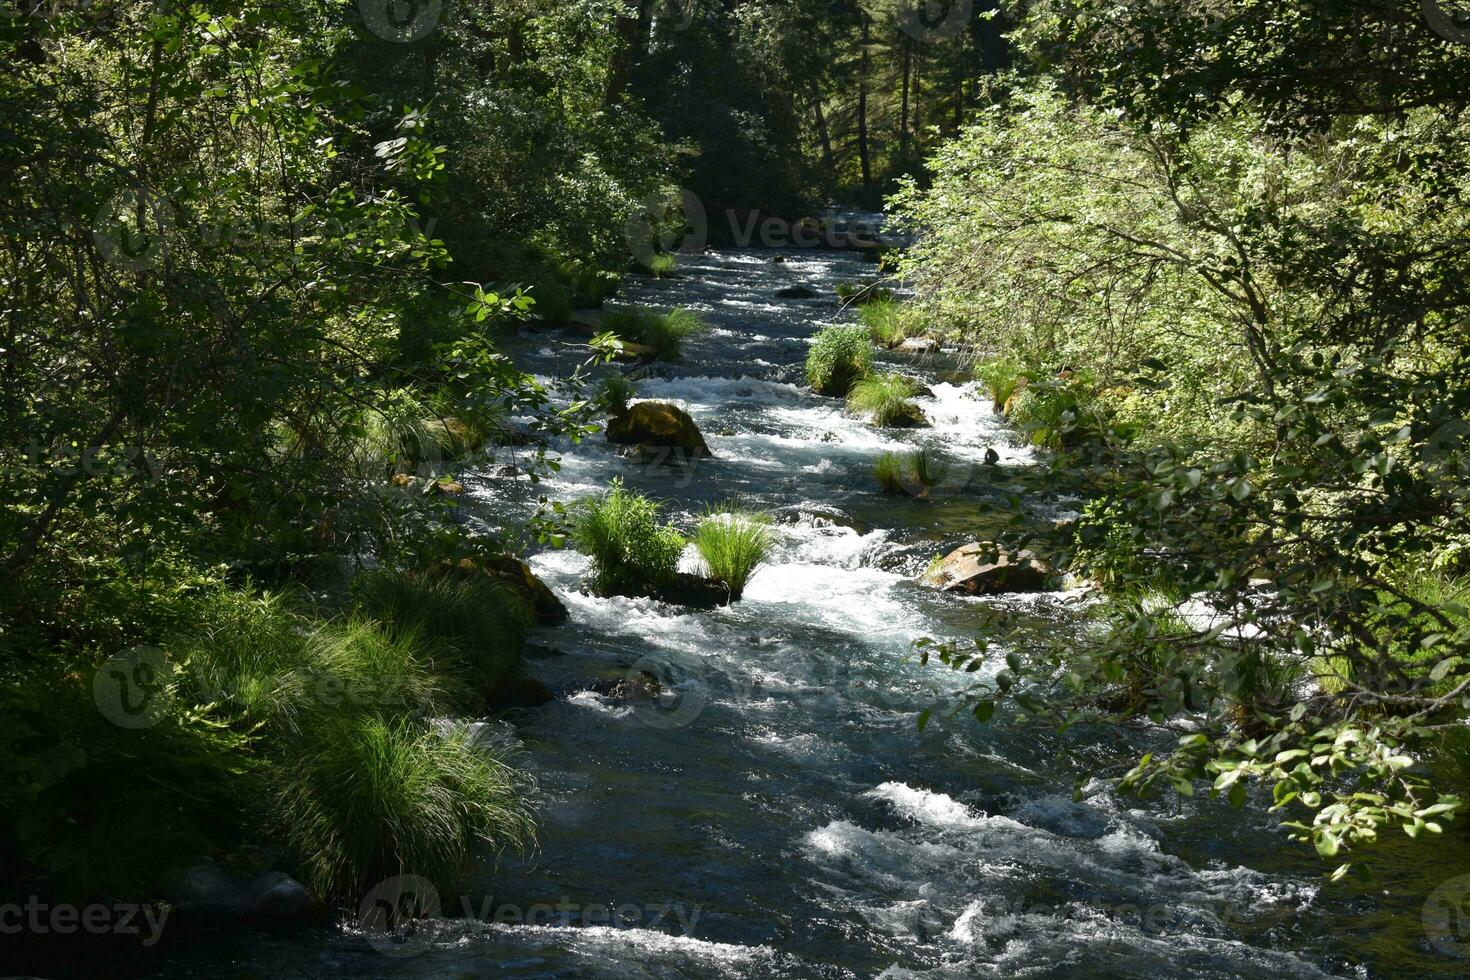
[
  {"x": 919, "y": 345},
  {"x": 987, "y": 569},
  {"x": 654, "y": 426},
  {"x": 796, "y": 292},
  {"x": 517, "y": 574}
]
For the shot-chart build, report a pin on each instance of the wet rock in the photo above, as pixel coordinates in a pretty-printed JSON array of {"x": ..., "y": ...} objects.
[
  {"x": 657, "y": 425},
  {"x": 427, "y": 487},
  {"x": 684, "y": 589},
  {"x": 796, "y": 292},
  {"x": 517, "y": 574},
  {"x": 639, "y": 688},
  {"x": 506, "y": 471},
  {"x": 919, "y": 345},
  {"x": 986, "y": 569},
  {"x": 778, "y": 260},
  {"x": 991, "y": 457},
  {"x": 522, "y": 692},
  {"x": 208, "y": 893},
  {"x": 807, "y": 515}
]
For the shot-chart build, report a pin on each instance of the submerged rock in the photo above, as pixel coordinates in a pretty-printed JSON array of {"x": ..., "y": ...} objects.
[
  {"x": 986, "y": 569},
  {"x": 796, "y": 292},
  {"x": 654, "y": 426}
]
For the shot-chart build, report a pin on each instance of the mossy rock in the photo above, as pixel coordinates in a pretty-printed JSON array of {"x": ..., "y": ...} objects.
[
  {"x": 985, "y": 569},
  {"x": 517, "y": 574},
  {"x": 658, "y": 425}
]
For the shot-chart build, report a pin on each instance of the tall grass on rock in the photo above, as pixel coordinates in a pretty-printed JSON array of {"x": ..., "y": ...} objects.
[
  {"x": 368, "y": 797},
  {"x": 633, "y": 552},
  {"x": 733, "y": 544},
  {"x": 839, "y": 358},
  {"x": 884, "y": 321},
  {"x": 662, "y": 333},
  {"x": 885, "y": 400}
]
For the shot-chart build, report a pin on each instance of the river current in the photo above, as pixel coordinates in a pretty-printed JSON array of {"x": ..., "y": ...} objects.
[{"x": 778, "y": 812}]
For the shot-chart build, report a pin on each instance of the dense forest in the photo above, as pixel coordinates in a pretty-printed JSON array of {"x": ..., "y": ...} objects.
[{"x": 283, "y": 283}]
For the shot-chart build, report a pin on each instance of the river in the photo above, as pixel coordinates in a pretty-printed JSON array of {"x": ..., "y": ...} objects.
[{"x": 779, "y": 813}]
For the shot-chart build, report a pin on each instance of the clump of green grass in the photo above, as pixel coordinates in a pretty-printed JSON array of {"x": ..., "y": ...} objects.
[
  {"x": 884, "y": 322},
  {"x": 663, "y": 265},
  {"x": 633, "y": 552},
  {"x": 885, "y": 399},
  {"x": 366, "y": 797},
  {"x": 839, "y": 358},
  {"x": 618, "y": 390},
  {"x": 850, "y": 292},
  {"x": 890, "y": 469},
  {"x": 553, "y": 303},
  {"x": 663, "y": 333},
  {"x": 733, "y": 544},
  {"x": 916, "y": 473},
  {"x": 476, "y": 625}
]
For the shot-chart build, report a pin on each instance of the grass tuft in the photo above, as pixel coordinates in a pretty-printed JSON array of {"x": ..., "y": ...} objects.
[
  {"x": 663, "y": 333},
  {"x": 733, "y": 544},
  {"x": 632, "y": 551},
  {"x": 839, "y": 358},
  {"x": 663, "y": 265},
  {"x": 884, "y": 322},
  {"x": 884, "y": 399}
]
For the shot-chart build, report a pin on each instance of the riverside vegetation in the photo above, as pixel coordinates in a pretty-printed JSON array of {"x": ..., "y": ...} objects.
[{"x": 259, "y": 263}]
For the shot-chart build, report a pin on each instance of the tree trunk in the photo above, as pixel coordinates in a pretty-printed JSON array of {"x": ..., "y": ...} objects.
[
  {"x": 903, "y": 118},
  {"x": 863, "y": 153}
]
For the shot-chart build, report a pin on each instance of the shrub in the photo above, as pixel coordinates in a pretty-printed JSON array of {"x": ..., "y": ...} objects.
[
  {"x": 839, "y": 358},
  {"x": 631, "y": 551},
  {"x": 554, "y": 304},
  {"x": 1057, "y": 415},
  {"x": 365, "y": 797},
  {"x": 885, "y": 398},
  {"x": 850, "y": 292},
  {"x": 664, "y": 333},
  {"x": 733, "y": 545},
  {"x": 890, "y": 469},
  {"x": 884, "y": 322},
  {"x": 1002, "y": 378},
  {"x": 476, "y": 624}
]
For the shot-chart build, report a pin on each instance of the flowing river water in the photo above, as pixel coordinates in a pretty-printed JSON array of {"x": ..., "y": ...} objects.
[{"x": 778, "y": 813}]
